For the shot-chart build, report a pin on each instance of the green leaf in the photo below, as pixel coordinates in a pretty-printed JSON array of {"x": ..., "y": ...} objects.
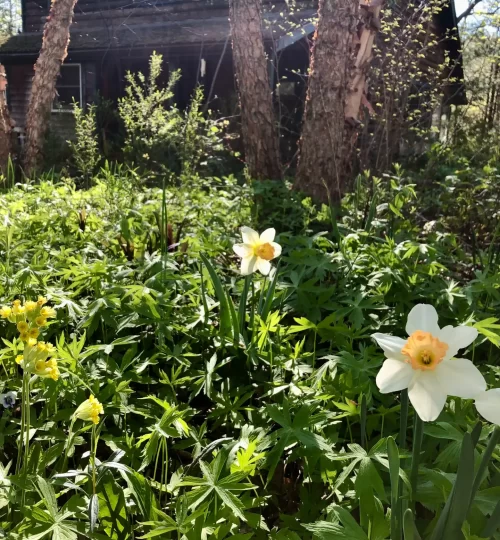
[
  {"x": 112, "y": 511},
  {"x": 226, "y": 323},
  {"x": 489, "y": 329},
  {"x": 409, "y": 528},
  {"x": 461, "y": 491}
]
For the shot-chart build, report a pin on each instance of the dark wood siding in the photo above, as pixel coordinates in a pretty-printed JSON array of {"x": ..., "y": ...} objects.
[
  {"x": 101, "y": 13},
  {"x": 20, "y": 78}
]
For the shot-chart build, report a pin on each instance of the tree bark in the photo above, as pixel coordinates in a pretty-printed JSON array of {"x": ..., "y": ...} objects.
[
  {"x": 47, "y": 69},
  {"x": 321, "y": 145},
  {"x": 260, "y": 136},
  {"x": 5, "y": 123},
  {"x": 368, "y": 28}
]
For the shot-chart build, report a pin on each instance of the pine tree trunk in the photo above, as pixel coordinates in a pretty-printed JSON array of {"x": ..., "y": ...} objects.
[
  {"x": 5, "y": 123},
  {"x": 320, "y": 168},
  {"x": 47, "y": 69},
  {"x": 260, "y": 137}
]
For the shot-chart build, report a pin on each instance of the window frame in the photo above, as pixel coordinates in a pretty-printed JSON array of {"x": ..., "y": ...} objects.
[{"x": 80, "y": 75}]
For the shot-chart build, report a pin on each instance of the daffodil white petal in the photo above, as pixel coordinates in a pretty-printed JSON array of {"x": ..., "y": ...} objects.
[
  {"x": 263, "y": 266},
  {"x": 248, "y": 265},
  {"x": 249, "y": 236},
  {"x": 277, "y": 249},
  {"x": 243, "y": 250},
  {"x": 426, "y": 395},
  {"x": 394, "y": 376},
  {"x": 488, "y": 405},
  {"x": 268, "y": 236},
  {"x": 423, "y": 317},
  {"x": 391, "y": 345},
  {"x": 457, "y": 338},
  {"x": 461, "y": 378}
]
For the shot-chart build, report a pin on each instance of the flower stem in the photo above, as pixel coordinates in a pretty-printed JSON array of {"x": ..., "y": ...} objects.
[
  {"x": 483, "y": 466},
  {"x": 418, "y": 433},
  {"x": 92, "y": 457},
  {"x": 403, "y": 420},
  {"x": 261, "y": 296},
  {"x": 23, "y": 423}
]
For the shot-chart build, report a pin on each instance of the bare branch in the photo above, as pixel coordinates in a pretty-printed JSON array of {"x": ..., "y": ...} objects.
[{"x": 468, "y": 11}]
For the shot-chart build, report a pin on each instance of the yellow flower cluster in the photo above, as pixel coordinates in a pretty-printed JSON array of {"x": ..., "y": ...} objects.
[
  {"x": 90, "y": 410},
  {"x": 38, "y": 358},
  {"x": 28, "y": 317}
]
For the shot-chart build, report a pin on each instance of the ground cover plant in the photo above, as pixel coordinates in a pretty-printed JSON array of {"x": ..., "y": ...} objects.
[{"x": 167, "y": 372}]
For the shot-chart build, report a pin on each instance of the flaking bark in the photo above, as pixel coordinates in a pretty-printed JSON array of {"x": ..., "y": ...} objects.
[
  {"x": 5, "y": 123},
  {"x": 321, "y": 146},
  {"x": 258, "y": 124},
  {"x": 47, "y": 69}
]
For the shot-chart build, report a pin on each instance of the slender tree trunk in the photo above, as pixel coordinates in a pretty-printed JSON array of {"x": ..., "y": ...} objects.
[
  {"x": 5, "y": 123},
  {"x": 321, "y": 145},
  {"x": 260, "y": 136},
  {"x": 47, "y": 69}
]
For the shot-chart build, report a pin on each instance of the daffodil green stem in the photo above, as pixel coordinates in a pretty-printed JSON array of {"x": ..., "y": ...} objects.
[
  {"x": 485, "y": 460},
  {"x": 261, "y": 296},
  {"x": 418, "y": 432},
  {"x": 243, "y": 302},
  {"x": 403, "y": 419}
]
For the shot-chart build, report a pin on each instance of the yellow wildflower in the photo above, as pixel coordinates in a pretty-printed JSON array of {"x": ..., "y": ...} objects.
[
  {"x": 41, "y": 301},
  {"x": 48, "y": 312},
  {"x": 19, "y": 358},
  {"x": 18, "y": 309},
  {"x": 16, "y": 303},
  {"x": 89, "y": 410},
  {"x": 30, "y": 305},
  {"x": 5, "y": 312},
  {"x": 36, "y": 359},
  {"x": 47, "y": 369},
  {"x": 40, "y": 321},
  {"x": 23, "y": 326},
  {"x": 24, "y": 336},
  {"x": 34, "y": 333}
]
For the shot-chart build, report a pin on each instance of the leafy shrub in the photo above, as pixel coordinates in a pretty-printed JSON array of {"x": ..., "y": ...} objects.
[
  {"x": 85, "y": 147},
  {"x": 158, "y": 133}
]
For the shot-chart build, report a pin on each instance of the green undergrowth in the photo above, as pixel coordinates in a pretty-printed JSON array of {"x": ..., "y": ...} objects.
[{"x": 236, "y": 407}]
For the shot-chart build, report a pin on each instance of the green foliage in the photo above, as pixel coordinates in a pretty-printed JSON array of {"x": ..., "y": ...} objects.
[
  {"x": 158, "y": 134},
  {"x": 85, "y": 148},
  {"x": 235, "y": 407}
]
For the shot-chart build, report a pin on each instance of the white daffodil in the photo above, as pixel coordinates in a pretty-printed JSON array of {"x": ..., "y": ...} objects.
[
  {"x": 488, "y": 405},
  {"x": 424, "y": 363},
  {"x": 257, "y": 250}
]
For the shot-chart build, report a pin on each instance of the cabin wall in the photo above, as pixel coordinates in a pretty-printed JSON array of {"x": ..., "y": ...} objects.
[{"x": 20, "y": 78}]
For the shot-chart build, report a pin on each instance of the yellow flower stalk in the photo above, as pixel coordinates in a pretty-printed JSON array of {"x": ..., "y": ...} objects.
[
  {"x": 89, "y": 410},
  {"x": 34, "y": 333},
  {"x": 40, "y": 321},
  {"x": 17, "y": 309},
  {"x": 48, "y": 312},
  {"x": 30, "y": 306},
  {"x": 5, "y": 312},
  {"x": 37, "y": 359},
  {"x": 23, "y": 326}
]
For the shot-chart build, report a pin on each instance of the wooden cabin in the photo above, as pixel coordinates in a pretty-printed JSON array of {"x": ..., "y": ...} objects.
[{"x": 111, "y": 37}]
